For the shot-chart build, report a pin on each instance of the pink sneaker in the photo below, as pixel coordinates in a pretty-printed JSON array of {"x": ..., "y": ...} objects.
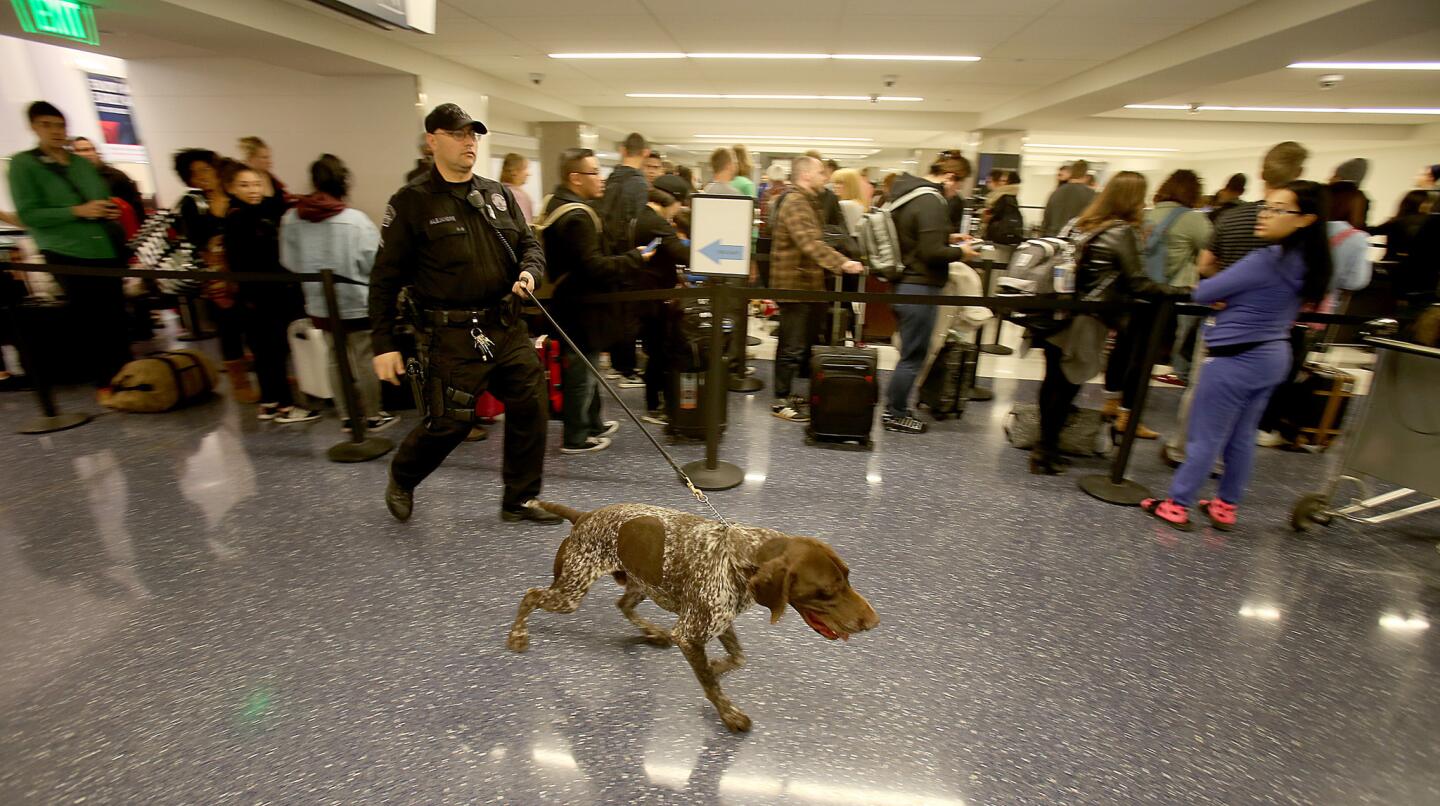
[
  {"x": 1167, "y": 510},
  {"x": 1221, "y": 514}
]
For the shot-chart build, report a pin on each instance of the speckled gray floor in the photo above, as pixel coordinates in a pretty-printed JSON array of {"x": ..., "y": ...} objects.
[{"x": 198, "y": 608}]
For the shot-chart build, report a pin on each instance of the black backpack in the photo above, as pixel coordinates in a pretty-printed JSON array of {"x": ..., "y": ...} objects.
[{"x": 1007, "y": 225}]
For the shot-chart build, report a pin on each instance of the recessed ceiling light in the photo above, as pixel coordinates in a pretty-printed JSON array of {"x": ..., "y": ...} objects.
[
  {"x": 1096, "y": 148},
  {"x": 1310, "y": 109},
  {"x": 782, "y": 138},
  {"x": 1364, "y": 66},
  {"x": 864, "y": 57},
  {"x": 766, "y": 97}
]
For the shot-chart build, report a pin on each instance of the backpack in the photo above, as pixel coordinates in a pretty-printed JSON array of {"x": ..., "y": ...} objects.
[
  {"x": 1007, "y": 225},
  {"x": 878, "y": 239},
  {"x": 618, "y": 223},
  {"x": 1046, "y": 267},
  {"x": 545, "y": 221},
  {"x": 162, "y": 382},
  {"x": 1156, "y": 249}
]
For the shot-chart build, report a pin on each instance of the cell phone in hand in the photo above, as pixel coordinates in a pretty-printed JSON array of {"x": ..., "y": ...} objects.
[{"x": 652, "y": 246}]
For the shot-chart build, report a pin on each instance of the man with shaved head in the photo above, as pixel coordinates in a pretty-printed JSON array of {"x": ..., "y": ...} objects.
[{"x": 799, "y": 260}]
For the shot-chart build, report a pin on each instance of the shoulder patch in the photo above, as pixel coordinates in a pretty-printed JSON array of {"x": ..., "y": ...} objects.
[{"x": 389, "y": 216}]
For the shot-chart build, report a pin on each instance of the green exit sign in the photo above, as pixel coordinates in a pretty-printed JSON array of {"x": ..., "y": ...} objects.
[{"x": 66, "y": 19}]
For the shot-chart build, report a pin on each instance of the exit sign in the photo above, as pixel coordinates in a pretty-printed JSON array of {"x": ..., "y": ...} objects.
[{"x": 66, "y": 19}]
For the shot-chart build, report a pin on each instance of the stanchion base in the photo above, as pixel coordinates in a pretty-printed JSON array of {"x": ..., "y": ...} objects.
[
  {"x": 753, "y": 341},
  {"x": 49, "y": 425},
  {"x": 200, "y": 336},
  {"x": 370, "y": 448},
  {"x": 748, "y": 383},
  {"x": 996, "y": 349},
  {"x": 722, "y": 477},
  {"x": 1126, "y": 494}
]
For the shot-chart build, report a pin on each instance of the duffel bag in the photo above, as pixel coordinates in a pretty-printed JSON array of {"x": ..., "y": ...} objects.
[{"x": 162, "y": 382}]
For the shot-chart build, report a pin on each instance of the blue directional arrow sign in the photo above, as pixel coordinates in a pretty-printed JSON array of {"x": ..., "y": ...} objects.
[{"x": 716, "y": 252}]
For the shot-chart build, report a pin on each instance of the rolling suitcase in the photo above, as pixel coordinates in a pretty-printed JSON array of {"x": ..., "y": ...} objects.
[
  {"x": 686, "y": 399},
  {"x": 549, "y": 350},
  {"x": 1315, "y": 405},
  {"x": 843, "y": 394},
  {"x": 953, "y": 371}
]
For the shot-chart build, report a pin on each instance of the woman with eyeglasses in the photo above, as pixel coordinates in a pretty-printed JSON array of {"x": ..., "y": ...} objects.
[{"x": 1258, "y": 299}]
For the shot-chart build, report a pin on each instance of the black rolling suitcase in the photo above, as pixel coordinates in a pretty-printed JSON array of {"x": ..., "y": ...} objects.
[
  {"x": 687, "y": 396},
  {"x": 953, "y": 371},
  {"x": 843, "y": 394}
]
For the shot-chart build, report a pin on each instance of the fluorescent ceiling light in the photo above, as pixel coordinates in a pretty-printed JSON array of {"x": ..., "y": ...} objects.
[
  {"x": 1365, "y": 66},
  {"x": 855, "y": 57},
  {"x": 1316, "y": 109},
  {"x": 766, "y": 97},
  {"x": 1096, "y": 148},
  {"x": 617, "y": 55},
  {"x": 782, "y": 138}
]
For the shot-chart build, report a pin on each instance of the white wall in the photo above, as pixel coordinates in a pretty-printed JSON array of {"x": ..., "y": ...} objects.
[
  {"x": 1393, "y": 169},
  {"x": 370, "y": 122}
]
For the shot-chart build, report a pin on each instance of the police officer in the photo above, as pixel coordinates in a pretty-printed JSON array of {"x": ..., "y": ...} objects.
[{"x": 459, "y": 241}]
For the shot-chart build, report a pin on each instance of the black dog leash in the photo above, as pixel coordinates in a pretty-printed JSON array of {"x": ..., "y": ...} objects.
[{"x": 695, "y": 491}]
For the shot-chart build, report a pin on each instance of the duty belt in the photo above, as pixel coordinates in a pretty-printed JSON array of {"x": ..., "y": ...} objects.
[{"x": 494, "y": 316}]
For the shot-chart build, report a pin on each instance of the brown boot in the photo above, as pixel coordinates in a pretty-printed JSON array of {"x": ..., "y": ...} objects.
[
  {"x": 1122, "y": 420},
  {"x": 240, "y": 387},
  {"x": 1111, "y": 409}
]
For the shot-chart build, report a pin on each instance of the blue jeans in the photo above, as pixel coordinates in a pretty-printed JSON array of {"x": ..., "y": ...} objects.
[
  {"x": 581, "y": 391},
  {"x": 1230, "y": 396},
  {"x": 914, "y": 323}
]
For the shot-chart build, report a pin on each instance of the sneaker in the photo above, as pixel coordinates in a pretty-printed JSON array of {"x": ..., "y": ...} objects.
[
  {"x": 372, "y": 424},
  {"x": 790, "y": 410},
  {"x": 592, "y": 445},
  {"x": 1170, "y": 379},
  {"x": 632, "y": 382},
  {"x": 1167, "y": 510},
  {"x": 267, "y": 411},
  {"x": 1221, "y": 514},
  {"x": 1269, "y": 439},
  {"x": 296, "y": 414},
  {"x": 656, "y": 417},
  {"x": 608, "y": 428},
  {"x": 904, "y": 425}
]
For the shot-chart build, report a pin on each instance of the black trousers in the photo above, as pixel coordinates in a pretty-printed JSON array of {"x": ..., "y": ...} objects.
[
  {"x": 799, "y": 329},
  {"x": 1123, "y": 370},
  {"x": 514, "y": 376},
  {"x": 656, "y": 334},
  {"x": 98, "y": 303},
  {"x": 1057, "y": 397},
  {"x": 622, "y": 353},
  {"x": 265, "y": 329}
]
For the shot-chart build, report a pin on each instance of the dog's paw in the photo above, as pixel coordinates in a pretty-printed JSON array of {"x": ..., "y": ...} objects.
[
  {"x": 658, "y": 638},
  {"x": 721, "y": 666},
  {"x": 518, "y": 642},
  {"x": 736, "y": 720}
]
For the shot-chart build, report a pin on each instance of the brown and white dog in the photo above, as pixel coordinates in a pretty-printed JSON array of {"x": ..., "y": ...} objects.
[{"x": 706, "y": 574}]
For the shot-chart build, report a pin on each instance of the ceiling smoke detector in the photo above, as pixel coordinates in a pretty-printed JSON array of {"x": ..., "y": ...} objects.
[
  {"x": 1329, "y": 80},
  {"x": 1194, "y": 109}
]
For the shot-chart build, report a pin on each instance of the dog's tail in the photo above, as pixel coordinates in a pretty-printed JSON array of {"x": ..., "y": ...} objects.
[{"x": 572, "y": 515}]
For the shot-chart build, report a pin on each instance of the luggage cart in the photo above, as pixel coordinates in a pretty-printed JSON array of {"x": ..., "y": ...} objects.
[{"x": 1396, "y": 441}]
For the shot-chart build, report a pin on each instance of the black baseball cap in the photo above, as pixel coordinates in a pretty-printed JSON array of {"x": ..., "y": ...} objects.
[{"x": 452, "y": 117}]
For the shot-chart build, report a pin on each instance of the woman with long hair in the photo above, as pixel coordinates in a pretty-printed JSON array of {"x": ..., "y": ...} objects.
[
  {"x": 257, "y": 157},
  {"x": 744, "y": 171},
  {"x": 1178, "y": 232},
  {"x": 848, "y": 188},
  {"x": 1108, "y": 269},
  {"x": 1249, "y": 341},
  {"x": 514, "y": 172}
]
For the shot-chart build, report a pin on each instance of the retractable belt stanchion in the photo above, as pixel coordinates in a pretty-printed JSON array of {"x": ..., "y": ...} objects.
[
  {"x": 993, "y": 347},
  {"x": 1114, "y": 488},
  {"x": 51, "y": 418},
  {"x": 711, "y": 473},
  {"x": 359, "y": 448}
]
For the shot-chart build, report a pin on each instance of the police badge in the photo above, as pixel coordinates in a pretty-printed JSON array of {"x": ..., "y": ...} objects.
[{"x": 498, "y": 199}]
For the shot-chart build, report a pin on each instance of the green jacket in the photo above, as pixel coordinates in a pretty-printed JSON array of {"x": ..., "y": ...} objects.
[
  {"x": 43, "y": 198},
  {"x": 1189, "y": 234}
]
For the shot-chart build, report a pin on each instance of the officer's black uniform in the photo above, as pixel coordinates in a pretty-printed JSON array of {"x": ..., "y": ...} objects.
[{"x": 462, "y": 247}]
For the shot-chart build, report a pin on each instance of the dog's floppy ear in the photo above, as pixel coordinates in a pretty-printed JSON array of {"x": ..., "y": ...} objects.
[{"x": 770, "y": 584}]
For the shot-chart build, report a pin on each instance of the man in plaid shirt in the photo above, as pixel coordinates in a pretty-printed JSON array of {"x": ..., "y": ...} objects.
[{"x": 799, "y": 259}]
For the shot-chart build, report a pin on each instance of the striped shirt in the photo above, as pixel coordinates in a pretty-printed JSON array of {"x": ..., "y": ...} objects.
[{"x": 1234, "y": 235}]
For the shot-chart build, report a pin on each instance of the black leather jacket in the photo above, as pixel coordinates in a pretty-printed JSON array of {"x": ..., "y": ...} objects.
[{"x": 1110, "y": 269}]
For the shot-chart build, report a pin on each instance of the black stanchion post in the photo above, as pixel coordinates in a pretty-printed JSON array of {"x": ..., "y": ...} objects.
[
  {"x": 711, "y": 473},
  {"x": 739, "y": 381},
  {"x": 359, "y": 448},
  {"x": 1115, "y": 488},
  {"x": 51, "y": 419},
  {"x": 993, "y": 347}
]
